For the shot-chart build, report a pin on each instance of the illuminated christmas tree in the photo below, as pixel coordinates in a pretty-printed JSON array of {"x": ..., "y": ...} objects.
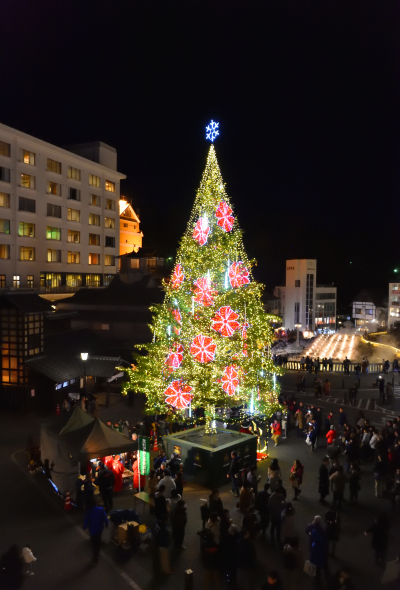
[{"x": 211, "y": 336}]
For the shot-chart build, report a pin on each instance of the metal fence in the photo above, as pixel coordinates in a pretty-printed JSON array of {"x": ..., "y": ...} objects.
[{"x": 336, "y": 367}]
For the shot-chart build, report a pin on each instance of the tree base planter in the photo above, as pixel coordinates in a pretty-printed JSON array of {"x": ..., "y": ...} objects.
[{"x": 206, "y": 457}]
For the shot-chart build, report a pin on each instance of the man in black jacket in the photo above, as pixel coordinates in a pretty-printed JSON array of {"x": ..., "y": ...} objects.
[
  {"x": 105, "y": 481},
  {"x": 323, "y": 487},
  {"x": 261, "y": 505},
  {"x": 233, "y": 470}
]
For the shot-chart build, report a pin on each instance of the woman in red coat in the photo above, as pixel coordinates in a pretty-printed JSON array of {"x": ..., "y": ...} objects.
[
  {"x": 118, "y": 469},
  {"x": 331, "y": 436},
  {"x": 135, "y": 469}
]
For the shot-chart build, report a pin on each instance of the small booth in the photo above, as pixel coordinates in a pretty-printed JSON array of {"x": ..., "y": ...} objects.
[
  {"x": 75, "y": 438},
  {"x": 206, "y": 457}
]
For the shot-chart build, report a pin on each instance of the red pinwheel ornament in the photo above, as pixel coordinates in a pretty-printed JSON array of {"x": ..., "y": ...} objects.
[
  {"x": 203, "y": 292},
  {"x": 224, "y": 321},
  {"x": 203, "y": 348},
  {"x": 175, "y": 356},
  {"x": 224, "y": 216},
  {"x": 178, "y": 394},
  {"x": 238, "y": 274},
  {"x": 178, "y": 318},
  {"x": 230, "y": 379},
  {"x": 177, "y": 277},
  {"x": 201, "y": 231}
]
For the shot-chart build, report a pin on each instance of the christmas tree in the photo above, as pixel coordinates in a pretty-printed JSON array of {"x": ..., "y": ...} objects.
[{"x": 211, "y": 336}]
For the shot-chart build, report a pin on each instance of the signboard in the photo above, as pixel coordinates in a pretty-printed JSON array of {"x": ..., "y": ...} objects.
[{"x": 144, "y": 455}]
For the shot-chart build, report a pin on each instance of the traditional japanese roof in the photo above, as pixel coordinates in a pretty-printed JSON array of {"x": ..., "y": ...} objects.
[{"x": 26, "y": 302}]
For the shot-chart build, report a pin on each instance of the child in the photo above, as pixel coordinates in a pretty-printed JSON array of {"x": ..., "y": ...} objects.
[{"x": 28, "y": 558}]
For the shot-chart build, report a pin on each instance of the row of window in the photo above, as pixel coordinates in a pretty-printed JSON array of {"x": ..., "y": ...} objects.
[
  {"x": 28, "y": 230},
  {"x": 55, "y": 167},
  {"x": 54, "y": 280},
  {"x": 29, "y": 254},
  {"x": 55, "y": 189}
]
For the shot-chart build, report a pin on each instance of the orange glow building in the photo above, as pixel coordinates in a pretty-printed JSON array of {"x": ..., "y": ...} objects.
[{"x": 130, "y": 236}]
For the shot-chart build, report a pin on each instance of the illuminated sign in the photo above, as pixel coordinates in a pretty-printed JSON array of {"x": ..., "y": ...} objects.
[{"x": 144, "y": 455}]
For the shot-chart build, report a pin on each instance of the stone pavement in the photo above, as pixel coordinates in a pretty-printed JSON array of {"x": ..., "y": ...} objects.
[{"x": 31, "y": 513}]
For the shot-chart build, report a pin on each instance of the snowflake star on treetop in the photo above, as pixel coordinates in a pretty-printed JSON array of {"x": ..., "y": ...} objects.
[
  {"x": 224, "y": 216},
  {"x": 238, "y": 275},
  {"x": 201, "y": 230},
  {"x": 230, "y": 380},
  {"x": 203, "y": 348},
  {"x": 225, "y": 322},
  {"x": 178, "y": 394},
  {"x": 212, "y": 130},
  {"x": 203, "y": 292}
]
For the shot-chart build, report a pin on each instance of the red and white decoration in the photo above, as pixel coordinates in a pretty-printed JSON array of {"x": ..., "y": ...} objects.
[
  {"x": 175, "y": 356},
  {"x": 178, "y": 394},
  {"x": 177, "y": 277},
  {"x": 230, "y": 380},
  {"x": 178, "y": 318},
  {"x": 225, "y": 322},
  {"x": 201, "y": 230},
  {"x": 224, "y": 216},
  {"x": 238, "y": 275},
  {"x": 203, "y": 348},
  {"x": 203, "y": 292}
]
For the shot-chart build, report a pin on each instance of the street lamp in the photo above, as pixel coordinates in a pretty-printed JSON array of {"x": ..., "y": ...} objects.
[
  {"x": 84, "y": 357},
  {"x": 298, "y": 326}
]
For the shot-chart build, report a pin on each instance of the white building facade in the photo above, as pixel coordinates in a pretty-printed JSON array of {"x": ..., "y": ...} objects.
[
  {"x": 59, "y": 213},
  {"x": 303, "y": 301},
  {"x": 394, "y": 304}
]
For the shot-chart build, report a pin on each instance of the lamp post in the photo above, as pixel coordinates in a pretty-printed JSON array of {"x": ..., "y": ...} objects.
[
  {"x": 84, "y": 357},
  {"x": 298, "y": 326}
]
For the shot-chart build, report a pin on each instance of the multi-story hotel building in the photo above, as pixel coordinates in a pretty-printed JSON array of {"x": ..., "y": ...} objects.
[
  {"x": 303, "y": 301},
  {"x": 394, "y": 304},
  {"x": 59, "y": 213}
]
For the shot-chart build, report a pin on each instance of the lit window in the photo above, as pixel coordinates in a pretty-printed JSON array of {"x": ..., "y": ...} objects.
[
  {"x": 74, "y": 173},
  {"x": 94, "y": 219},
  {"x": 109, "y": 260},
  {"x": 5, "y": 149},
  {"x": 28, "y": 157},
  {"x": 93, "y": 280},
  {"x": 94, "y": 200},
  {"x": 2, "y": 281},
  {"x": 110, "y": 242},
  {"x": 4, "y": 174},
  {"x": 94, "y": 258},
  {"x": 109, "y": 222},
  {"x": 53, "y": 210},
  {"x": 94, "y": 240},
  {"x": 74, "y": 236},
  {"x": 74, "y": 257},
  {"x": 53, "y": 255},
  {"x": 110, "y": 186},
  {"x": 53, "y": 166},
  {"x": 4, "y": 226},
  {"x": 74, "y": 215},
  {"x": 26, "y": 230},
  {"x": 108, "y": 279},
  {"x": 16, "y": 281},
  {"x": 53, "y": 188},
  {"x": 53, "y": 233},
  {"x": 94, "y": 180},
  {"x": 110, "y": 204},
  {"x": 27, "y": 181},
  {"x": 4, "y": 251},
  {"x": 29, "y": 281},
  {"x": 4, "y": 200},
  {"x": 73, "y": 280},
  {"x": 26, "y": 253}
]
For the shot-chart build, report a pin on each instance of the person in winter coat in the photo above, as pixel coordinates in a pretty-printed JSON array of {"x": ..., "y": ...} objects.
[
  {"x": 331, "y": 436},
  {"x": 332, "y": 527},
  {"x": 342, "y": 418},
  {"x": 95, "y": 520},
  {"x": 178, "y": 522},
  {"x": 215, "y": 503},
  {"x": 261, "y": 504},
  {"x": 105, "y": 481},
  {"x": 118, "y": 470},
  {"x": 162, "y": 542},
  {"x": 276, "y": 432},
  {"x": 323, "y": 487},
  {"x": 296, "y": 477},
  {"x": 161, "y": 504},
  {"x": 380, "y": 538},
  {"x": 135, "y": 469},
  {"x": 168, "y": 483},
  {"x": 319, "y": 552},
  {"x": 327, "y": 388},
  {"x": 179, "y": 482},
  {"x": 299, "y": 416},
  {"x": 246, "y": 561},
  {"x": 233, "y": 471},
  {"x": 250, "y": 524},
  {"x": 380, "y": 471},
  {"x": 288, "y": 523},
  {"x": 245, "y": 498},
  {"x": 28, "y": 558},
  {"x": 339, "y": 481},
  {"x": 274, "y": 473},
  {"x": 276, "y": 505}
]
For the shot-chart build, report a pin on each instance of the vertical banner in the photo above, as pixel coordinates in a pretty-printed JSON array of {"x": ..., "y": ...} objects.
[{"x": 144, "y": 455}]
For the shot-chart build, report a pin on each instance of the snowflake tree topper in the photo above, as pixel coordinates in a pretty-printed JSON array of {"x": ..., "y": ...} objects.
[{"x": 212, "y": 131}]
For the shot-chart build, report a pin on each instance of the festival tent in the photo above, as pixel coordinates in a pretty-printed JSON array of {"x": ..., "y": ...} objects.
[{"x": 68, "y": 444}]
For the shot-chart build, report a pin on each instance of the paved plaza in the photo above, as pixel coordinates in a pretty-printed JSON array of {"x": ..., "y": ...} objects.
[{"x": 31, "y": 513}]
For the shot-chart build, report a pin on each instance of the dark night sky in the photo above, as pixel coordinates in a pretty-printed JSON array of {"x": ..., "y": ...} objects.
[{"x": 307, "y": 96}]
